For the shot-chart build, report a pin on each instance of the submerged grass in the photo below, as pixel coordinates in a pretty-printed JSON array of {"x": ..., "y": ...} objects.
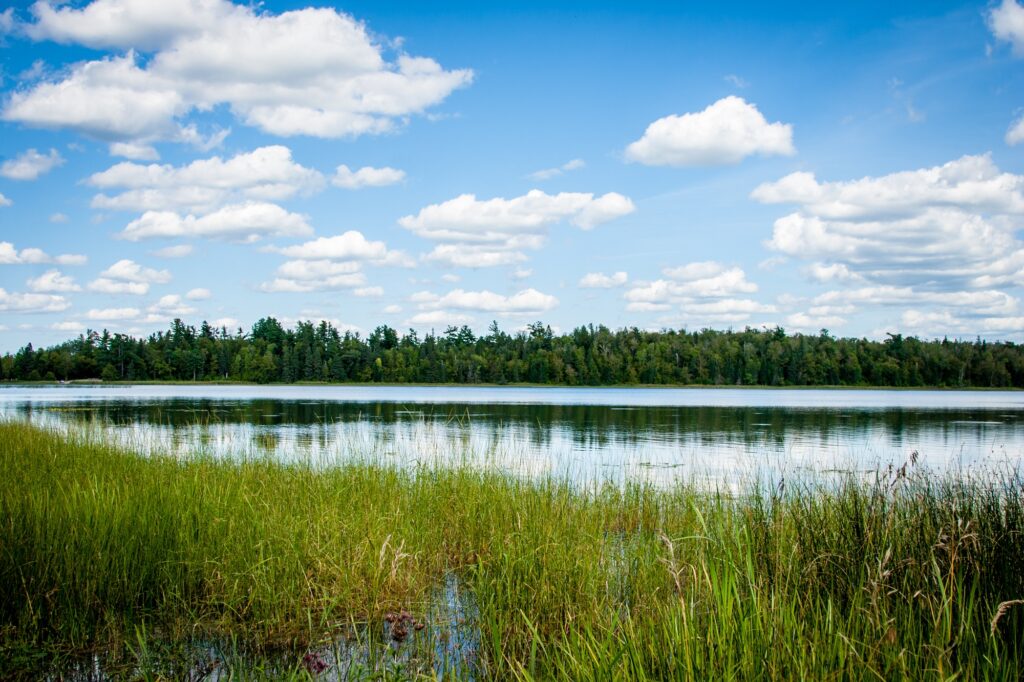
[{"x": 906, "y": 577}]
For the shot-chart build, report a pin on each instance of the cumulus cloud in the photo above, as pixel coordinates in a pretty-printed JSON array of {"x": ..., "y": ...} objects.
[
  {"x": 1015, "y": 135},
  {"x": 528, "y": 301},
  {"x": 130, "y": 271},
  {"x": 128, "y": 277},
  {"x": 105, "y": 285},
  {"x": 112, "y": 314},
  {"x": 548, "y": 173},
  {"x": 599, "y": 280},
  {"x": 237, "y": 222},
  {"x": 12, "y": 256},
  {"x": 30, "y": 164},
  {"x": 175, "y": 251},
  {"x": 53, "y": 281},
  {"x": 167, "y": 307},
  {"x": 68, "y": 326},
  {"x": 491, "y": 232},
  {"x": 313, "y": 71},
  {"x": 433, "y": 317},
  {"x": 705, "y": 291},
  {"x": 330, "y": 263},
  {"x": 809, "y": 322},
  {"x": 31, "y": 303},
  {"x": 366, "y": 176},
  {"x": 264, "y": 174},
  {"x": 452, "y": 307},
  {"x": 1007, "y": 23},
  {"x": 134, "y": 151},
  {"x": 198, "y": 294},
  {"x": 4, "y": 201},
  {"x": 350, "y": 245},
  {"x": 724, "y": 133},
  {"x": 947, "y": 227},
  {"x": 301, "y": 276}
]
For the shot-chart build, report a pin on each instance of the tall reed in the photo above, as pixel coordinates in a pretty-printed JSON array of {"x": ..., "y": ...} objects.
[{"x": 907, "y": 576}]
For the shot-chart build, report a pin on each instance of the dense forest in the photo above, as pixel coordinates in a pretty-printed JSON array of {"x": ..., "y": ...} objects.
[{"x": 585, "y": 356}]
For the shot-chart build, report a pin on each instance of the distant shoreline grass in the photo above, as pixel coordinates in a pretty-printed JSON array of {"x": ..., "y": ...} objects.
[{"x": 910, "y": 577}]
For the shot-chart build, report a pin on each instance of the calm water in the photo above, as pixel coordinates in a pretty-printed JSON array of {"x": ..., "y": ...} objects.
[{"x": 588, "y": 434}]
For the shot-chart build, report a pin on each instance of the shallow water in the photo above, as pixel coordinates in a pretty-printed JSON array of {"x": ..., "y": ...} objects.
[{"x": 588, "y": 434}]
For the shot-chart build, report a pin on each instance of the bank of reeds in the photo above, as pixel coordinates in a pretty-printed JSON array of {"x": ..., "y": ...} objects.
[{"x": 909, "y": 576}]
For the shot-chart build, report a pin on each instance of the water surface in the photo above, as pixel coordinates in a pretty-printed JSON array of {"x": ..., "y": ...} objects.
[{"x": 590, "y": 434}]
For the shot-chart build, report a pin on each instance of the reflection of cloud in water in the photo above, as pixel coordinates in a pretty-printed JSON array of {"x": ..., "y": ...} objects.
[{"x": 588, "y": 443}]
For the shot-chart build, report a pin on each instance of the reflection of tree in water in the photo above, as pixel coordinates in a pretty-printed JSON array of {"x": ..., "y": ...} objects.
[{"x": 587, "y": 426}]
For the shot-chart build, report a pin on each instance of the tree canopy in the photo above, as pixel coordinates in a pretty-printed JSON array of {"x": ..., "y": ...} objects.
[{"x": 588, "y": 355}]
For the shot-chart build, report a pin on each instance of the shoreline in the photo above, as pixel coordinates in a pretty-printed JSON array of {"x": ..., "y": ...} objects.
[{"x": 371, "y": 384}]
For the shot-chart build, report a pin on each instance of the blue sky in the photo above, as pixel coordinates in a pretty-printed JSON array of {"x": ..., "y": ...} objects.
[{"x": 855, "y": 168}]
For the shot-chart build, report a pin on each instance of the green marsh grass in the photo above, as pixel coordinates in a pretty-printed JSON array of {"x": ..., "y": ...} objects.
[{"x": 908, "y": 576}]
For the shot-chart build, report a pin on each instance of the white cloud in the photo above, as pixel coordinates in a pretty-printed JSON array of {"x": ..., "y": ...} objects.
[
  {"x": 11, "y": 256},
  {"x": 264, "y": 174},
  {"x": 351, "y": 245},
  {"x": 726, "y": 132},
  {"x": 704, "y": 291},
  {"x": 527, "y": 301},
  {"x": 176, "y": 251},
  {"x": 599, "y": 280},
  {"x": 366, "y": 176},
  {"x": 438, "y": 317},
  {"x": 169, "y": 306},
  {"x": 331, "y": 264},
  {"x": 322, "y": 275},
  {"x": 944, "y": 323},
  {"x": 111, "y": 314},
  {"x": 68, "y": 326},
  {"x": 198, "y": 294},
  {"x": 450, "y": 277},
  {"x": 59, "y": 218},
  {"x": 711, "y": 312},
  {"x": 833, "y": 272},
  {"x": 368, "y": 292},
  {"x": 392, "y": 309},
  {"x": 229, "y": 323},
  {"x": 486, "y": 233},
  {"x": 105, "y": 285},
  {"x": 134, "y": 151},
  {"x": 521, "y": 273},
  {"x": 32, "y": 303},
  {"x": 437, "y": 309},
  {"x": 977, "y": 303},
  {"x": 1015, "y": 135},
  {"x": 1007, "y": 23},
  {"x": 30, "y": 164},
  {"x": 809, "y": 322},
  {"x": 311, "y": 71},
  {"x": 947, "y": 227},
  {"x": 53, "y": 281},
  {"x": 239, "y": 222},
  {"x": 128, "y": 277},
  {"x": 4, "y": 201},
  {"x": 130, "y": 271},
  {"x": 548, "y": 173}
]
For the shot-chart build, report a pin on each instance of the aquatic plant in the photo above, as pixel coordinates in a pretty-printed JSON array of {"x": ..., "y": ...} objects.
[{"x": 904, "y": 576}]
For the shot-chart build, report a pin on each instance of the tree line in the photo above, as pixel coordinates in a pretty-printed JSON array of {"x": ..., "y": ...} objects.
[{"x": 589, "y": 355}]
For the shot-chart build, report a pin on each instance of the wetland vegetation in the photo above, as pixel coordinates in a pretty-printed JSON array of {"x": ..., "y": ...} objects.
[{"x": 190, "y": 565}]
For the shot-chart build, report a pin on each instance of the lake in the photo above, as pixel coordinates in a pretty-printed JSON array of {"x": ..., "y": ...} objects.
[{"x": 589, "y": 434}]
